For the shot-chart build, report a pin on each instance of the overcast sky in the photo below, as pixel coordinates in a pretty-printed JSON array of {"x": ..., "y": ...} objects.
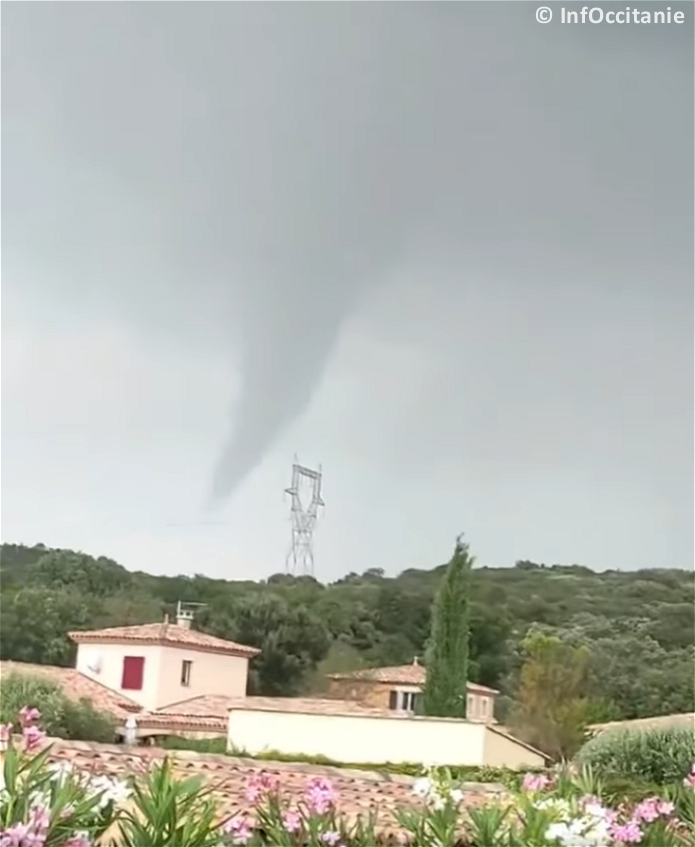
[{"x": 441, "y": 249}]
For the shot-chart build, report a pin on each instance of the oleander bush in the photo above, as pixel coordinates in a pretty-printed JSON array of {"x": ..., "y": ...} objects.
[
  {"x": 659, "y": 756},
  {"x": 44, "y": 805}
]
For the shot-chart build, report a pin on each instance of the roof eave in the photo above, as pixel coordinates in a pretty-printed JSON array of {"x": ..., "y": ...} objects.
[{"x": 241, "y": 652}]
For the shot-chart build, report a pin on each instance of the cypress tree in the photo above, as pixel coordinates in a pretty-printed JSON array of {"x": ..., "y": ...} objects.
[{"x": 445, "y": 692}]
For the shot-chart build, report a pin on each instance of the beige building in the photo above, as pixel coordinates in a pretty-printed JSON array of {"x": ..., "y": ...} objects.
[
  {"x": 399, "y": 688},
  {"x": 161, "y": 663}
]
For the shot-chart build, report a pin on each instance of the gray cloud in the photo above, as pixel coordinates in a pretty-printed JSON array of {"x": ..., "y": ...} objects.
[{"x": 252, "y": 176}]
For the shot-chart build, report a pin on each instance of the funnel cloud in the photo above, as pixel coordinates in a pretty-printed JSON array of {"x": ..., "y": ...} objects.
[{"x": 266, "y": 184}]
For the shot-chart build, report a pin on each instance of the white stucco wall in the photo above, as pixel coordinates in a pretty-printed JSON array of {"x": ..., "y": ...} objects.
[
  {"x": 111, "y": 675},
  {"x": 211, "y": 673},
  {"x": 504, "y": 752},
  {"x": 358, "y": 739}
]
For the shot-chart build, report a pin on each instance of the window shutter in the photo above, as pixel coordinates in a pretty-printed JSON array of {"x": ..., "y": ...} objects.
[
  {"x": 393, "y": 700},
  {"x": 133, "y": 673}
]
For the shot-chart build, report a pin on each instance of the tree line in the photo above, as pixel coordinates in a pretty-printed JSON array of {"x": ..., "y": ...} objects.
[{"x": 622, "y": 643}]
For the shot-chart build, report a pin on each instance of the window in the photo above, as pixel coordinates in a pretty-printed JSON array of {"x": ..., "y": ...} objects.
[
  {"x": 408, "y": 701},
  {"x": 470, "y": 706},
  {"x": 403, "y": 701},
  {"x": 133, "y": 673},
  {"x": 186, "y": 672},
  {"x": 483, "y": 706}
]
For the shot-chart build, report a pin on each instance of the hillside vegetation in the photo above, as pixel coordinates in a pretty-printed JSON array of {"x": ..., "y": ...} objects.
[{"x": 639, "y": 627}]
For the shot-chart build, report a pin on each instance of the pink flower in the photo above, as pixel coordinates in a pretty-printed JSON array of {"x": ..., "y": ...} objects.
[
  {"x": 292, "y": 821},
  {"x": 330, "y": 838},
  {"x": 535, "y": 782},
  {"x": 33, "y": 737},
  {"x": 15, "y": 836},
  {"x": 39, "y": 818},
  {"x": 647, "y": 810},
  {"x": 319, "y": 795},
  {"x": 652, "y": 808},
  {"x": 239, "y": 829},
  {"x": 260, "y": 785},
  {"x": 689, "y": 781},
  {"x": 28, "y": 715},
  {"x": 627, "y": 833},
  {"x": 665, "y": 808}
]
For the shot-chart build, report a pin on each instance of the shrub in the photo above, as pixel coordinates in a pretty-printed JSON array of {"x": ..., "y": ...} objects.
[
  {"x": 659, "y": 756},
  {"x": 50, "y": 806},
  {"x": 200, "y": 745},
  {"x": 61, "y": 716}
]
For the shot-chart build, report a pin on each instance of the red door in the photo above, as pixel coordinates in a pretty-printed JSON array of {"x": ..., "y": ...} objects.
[{"x": 133, "y": 673}]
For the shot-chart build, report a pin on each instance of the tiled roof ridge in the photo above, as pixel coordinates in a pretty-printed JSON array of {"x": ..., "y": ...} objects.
[
  {"x": 409, "y": 674},
  {"x": 164, "y": 632},
  {"x": 125, "y": 702},
  {"x": 160, "y": 709},
  {"x": 125, "y": 751}
]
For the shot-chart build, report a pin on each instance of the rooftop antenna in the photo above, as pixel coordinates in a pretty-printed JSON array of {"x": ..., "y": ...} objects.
[
  {"x": 300, "y": 558},
  {"x": 185, "y": 612}
]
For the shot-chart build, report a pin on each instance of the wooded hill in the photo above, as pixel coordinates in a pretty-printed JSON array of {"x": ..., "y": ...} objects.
[{"x": 639, "y": 625}]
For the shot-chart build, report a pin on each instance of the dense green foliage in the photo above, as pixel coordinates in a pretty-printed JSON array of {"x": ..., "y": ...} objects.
[
  {"x": 660, "y": 756},
  {"x": 60, "y": 716},
  {"x": 447, "y": 651},
  {"x": 639, "y": 627}
]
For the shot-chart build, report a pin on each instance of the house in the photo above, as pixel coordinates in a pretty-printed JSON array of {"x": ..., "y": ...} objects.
[
  {"x": 161, "y": 663},
  {"x": 399, "y": 689},
  {"x": 138, "y": 674}
]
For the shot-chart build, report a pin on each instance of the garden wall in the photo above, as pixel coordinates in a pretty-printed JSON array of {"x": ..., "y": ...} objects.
[{"x": 358, "y": 738}]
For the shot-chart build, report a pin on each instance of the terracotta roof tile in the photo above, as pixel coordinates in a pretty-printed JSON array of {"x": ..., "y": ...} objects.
[
  {"x": 182, "y": 723},
  {"x": 76, "y": 685},
  {"x": 211, "y": 711},
  {"x": 359, "y": 792},
  {"x": 412, "y": 674},
  {"x": 313, "y": 706},
  {"x": 164, "y": 633}
]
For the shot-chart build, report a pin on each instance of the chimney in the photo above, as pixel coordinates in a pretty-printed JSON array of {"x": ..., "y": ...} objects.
[
  {"x": 415, "y": 660},
  {"x": 184, "y": 617}
]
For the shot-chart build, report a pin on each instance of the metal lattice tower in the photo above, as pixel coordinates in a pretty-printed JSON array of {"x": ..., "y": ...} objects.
[{"x": 300, "y": 558}]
